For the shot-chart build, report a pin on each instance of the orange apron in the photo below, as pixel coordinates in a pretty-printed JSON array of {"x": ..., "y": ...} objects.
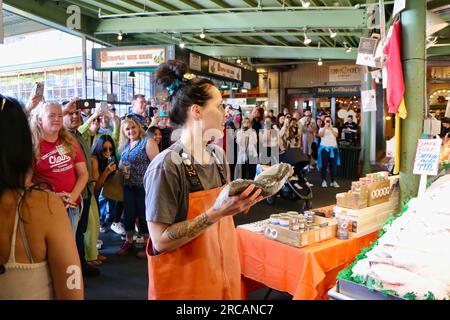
[{"x": 207, "y": 268}]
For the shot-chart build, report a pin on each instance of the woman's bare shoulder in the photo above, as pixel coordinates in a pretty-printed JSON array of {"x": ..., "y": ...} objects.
[{"x": 44, "y": 203}]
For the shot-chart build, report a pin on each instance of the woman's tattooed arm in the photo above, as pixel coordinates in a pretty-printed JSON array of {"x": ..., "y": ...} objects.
[{"x": 189, "y": 229}]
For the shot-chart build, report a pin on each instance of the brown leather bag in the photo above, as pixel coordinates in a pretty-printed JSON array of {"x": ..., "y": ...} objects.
[{"x": 113, "y": 187}]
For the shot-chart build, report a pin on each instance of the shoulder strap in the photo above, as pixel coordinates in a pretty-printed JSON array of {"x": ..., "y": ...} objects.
[
  {"x": 191, "y": 173},
  {"x": 220, "y": 166}
]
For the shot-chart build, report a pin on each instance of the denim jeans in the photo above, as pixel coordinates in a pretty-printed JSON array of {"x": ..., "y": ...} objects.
[
  {"x": 328, "y": 162},
  {"x": 74, "y": 217},
  {"x": 134, "y": 205},
  {"x": 106, "y": 209}
]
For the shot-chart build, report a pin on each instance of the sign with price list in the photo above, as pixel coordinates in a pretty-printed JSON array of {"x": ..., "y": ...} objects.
[{"x": 427, "y": 157}]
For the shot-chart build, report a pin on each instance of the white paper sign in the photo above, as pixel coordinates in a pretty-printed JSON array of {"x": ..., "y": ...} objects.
[
  {"x": 368, "y": 101},
  {"x": 224, "y": 70},
  {"x": 344, "y": 73},
  {"x": 399, "y": 5},
  {"x": 427, "y": 157},
  {"x": 195, "y": 62},
  {"x": 132, "y": 58},
  {"x": 366, "y": 52}
]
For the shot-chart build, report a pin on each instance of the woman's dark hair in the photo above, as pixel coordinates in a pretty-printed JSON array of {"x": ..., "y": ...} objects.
[
  {"x": 152, "y": 132},
  {"x": 97, "y": 151},
  {"x": 183, "y": 93},
  {"x": 16, "y": 146}
]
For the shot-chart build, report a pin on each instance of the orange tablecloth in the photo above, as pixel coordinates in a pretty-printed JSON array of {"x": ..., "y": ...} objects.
[{"x": 307, "y": 273}]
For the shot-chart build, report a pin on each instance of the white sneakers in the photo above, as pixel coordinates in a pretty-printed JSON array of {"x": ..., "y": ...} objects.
[
  {"x": 118, "y": 228},
  {"x": 333, "y": 184}
]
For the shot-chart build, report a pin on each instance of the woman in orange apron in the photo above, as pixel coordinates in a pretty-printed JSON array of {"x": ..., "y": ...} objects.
[{"x": 192, "y": 250}]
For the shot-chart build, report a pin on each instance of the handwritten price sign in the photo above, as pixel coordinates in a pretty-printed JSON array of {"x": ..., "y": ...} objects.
[{"x": 427, "y": 157}]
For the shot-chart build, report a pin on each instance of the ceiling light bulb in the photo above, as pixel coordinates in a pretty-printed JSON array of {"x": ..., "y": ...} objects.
[
  {"x": 120, "y": 36},
  {"x": 181, "y": 44},
  {"x": 238, "y": 60},
  {"x": 307, "y": 40},
  {"x": 202, "y": 35},
  {"x": 332, "y": 34},
  {"x": 320, "y": 63},
  {"x": 305, "y": 4},
  {"x": 349, "y": 49}
]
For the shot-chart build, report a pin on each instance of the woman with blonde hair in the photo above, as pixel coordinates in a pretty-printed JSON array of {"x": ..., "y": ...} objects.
[
  {"x": 58, "y": 158},
  {"x": 137, "y": 150}
]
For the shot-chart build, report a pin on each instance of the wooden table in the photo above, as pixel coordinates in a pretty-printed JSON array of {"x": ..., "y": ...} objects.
[{"x": 307, "y": 273}]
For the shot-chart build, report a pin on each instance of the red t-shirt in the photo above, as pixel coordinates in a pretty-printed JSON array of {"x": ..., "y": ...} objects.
[{"x": 56, "y": 167}]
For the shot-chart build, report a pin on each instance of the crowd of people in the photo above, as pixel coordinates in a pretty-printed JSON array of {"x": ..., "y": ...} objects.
[{"x": 79, "y": 172}]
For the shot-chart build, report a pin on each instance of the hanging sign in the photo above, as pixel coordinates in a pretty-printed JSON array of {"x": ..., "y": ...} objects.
[
  {"x": 225, "y": 70},
  {"x": 366, "y": 52},
  {"x": 129, "y": 58},
  {"x": 195, "y": 62},
  {"x": 344, "y": 73},
  {"x": 427, "y": 157},
  {"x": 399, "y": 5},
  {"x": 368, "y": 101}
]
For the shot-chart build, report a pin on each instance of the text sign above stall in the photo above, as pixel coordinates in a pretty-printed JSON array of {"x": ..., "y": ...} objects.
[
  {"x": 427, "y": 157},
  {"x": 129, "y": 58},
  {"x": 344, "y": 73},
  {"x": 337, "y": 91},
  {"x": 225, "y": 70}
]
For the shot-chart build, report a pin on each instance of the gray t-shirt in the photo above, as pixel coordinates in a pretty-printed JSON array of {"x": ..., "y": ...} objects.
[{"x": 167, "y": 187}]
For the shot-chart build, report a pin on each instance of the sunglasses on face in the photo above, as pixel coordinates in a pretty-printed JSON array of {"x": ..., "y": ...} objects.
[{"x": 107, "y": 149}]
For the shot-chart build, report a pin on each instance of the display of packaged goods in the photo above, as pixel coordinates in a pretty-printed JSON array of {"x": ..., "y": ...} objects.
[
  {"x": 367, "y": 220},
  {"x": 371, "y": 190},
  {"x": 321, "y": 229},
  {"x": 411, "y": 258}
]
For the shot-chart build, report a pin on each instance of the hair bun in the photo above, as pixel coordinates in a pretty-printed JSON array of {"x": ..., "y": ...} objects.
[{"x": 170, "y": 71}]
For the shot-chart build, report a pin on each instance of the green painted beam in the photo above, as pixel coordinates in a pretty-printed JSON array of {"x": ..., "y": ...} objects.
[
  {"x": 284, "y": 33},
  {"x": 333, "y": 18},
  {"x": 193, "y": 4},
  {"x": 251, "y": 3},
  {"x": 50, "y": 14},
  {"x": 165, "y": 5},
  {"x": 434, "y": 4},
  {"x": 277, "y": 52},
  {"x": 107, "y": 5},
  {"x": 137, "y": 7},
  {"x": 23, "y": 27},
  {"x": 88, "y": 7},
  {"x": 281, "y": 40},
  {"x": 439, "y": 51},
  {"x": 220, "y": 3}
]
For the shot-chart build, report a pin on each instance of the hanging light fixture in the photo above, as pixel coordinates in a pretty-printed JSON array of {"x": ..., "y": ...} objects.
[
  {"x": 347, "y": 47},
  {"x": 320, "y": 63},
  {"x": 202, "y": 34},
  {"x": 238, "y": 61},
  {"x": 333, "y": 34},
  {"x": 120, "y": 36},
  {"x": 307, "y": 40},
  {"x": 132, "y": 75},
  {"x": 305, "y": 4},
  {"x": 181, "y": 44}
]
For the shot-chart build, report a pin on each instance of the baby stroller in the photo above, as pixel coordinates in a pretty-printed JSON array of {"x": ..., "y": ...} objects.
[{"x": 296, "y": 187}]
